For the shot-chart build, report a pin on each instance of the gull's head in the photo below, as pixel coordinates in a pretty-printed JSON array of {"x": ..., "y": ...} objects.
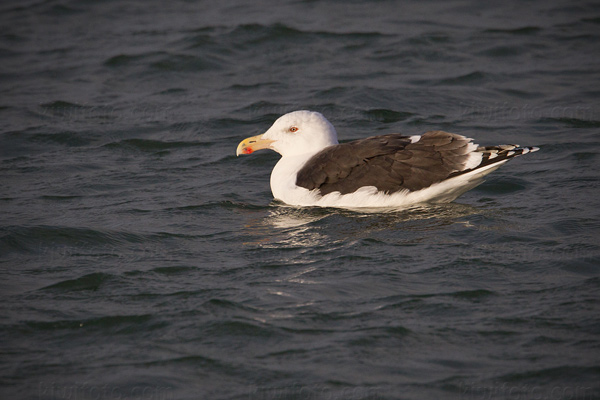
[{"x": 295, "y": 133}]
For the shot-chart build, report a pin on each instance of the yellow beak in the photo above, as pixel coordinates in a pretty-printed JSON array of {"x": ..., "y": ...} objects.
[{"x": 251, "y": 144}]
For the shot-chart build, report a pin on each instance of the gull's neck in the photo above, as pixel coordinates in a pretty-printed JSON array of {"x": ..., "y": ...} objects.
[{"x": 283, "y": 176}]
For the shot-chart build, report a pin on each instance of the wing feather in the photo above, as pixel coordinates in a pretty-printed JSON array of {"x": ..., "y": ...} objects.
[{"x": 394, "y": 162}]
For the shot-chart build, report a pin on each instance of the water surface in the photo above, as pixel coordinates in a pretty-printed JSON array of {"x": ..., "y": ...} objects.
[{"x": 141, "y": 259}]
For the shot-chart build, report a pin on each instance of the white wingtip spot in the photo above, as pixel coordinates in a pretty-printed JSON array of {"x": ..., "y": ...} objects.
[
  {"x": 474, "y": 160},
  {"x": 415, "y": 138}
]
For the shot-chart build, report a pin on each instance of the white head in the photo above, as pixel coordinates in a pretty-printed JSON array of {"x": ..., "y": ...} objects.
[{"x": 295, "y": 133}]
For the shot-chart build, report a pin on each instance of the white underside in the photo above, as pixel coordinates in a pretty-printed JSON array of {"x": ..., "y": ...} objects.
[{"x": 285, "y": 189}]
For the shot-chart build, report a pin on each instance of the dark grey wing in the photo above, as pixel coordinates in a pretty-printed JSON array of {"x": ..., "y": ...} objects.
[
  {"x": 389, "y": 162},
  {"x": 349, "y": 166}
]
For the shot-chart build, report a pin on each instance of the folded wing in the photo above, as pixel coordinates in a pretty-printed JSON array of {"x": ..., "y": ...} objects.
[{"x": 394, "y": 162}]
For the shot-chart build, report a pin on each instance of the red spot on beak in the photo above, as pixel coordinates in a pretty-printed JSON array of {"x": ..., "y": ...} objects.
[{"x": 247, "y": 150}]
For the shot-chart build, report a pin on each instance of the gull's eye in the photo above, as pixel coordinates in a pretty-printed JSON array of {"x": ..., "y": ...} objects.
[{"x": 293, "y": 129}]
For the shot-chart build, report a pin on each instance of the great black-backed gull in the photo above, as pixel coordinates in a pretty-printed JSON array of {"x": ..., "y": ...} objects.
[{"x": 380, "y": 171}]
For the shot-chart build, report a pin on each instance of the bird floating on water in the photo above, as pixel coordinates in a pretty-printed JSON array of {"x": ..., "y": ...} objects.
[{"x": 380, "y": 171}]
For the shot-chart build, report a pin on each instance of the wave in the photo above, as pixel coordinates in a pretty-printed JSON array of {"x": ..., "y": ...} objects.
[{"x": 152, "y": 146}]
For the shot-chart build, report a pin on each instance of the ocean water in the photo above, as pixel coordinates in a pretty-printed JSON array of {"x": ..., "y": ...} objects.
[{"x": 140, "y": 259}]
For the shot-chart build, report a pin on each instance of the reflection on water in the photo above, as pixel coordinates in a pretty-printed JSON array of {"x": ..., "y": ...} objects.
[
  {"x": 298, "y": 276},
  {"x": 282, "y": 225},
  {"x": 288, "y": 226}
]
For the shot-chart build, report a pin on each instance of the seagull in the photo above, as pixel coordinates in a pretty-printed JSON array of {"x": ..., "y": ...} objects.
[{"x": 392, "y": 170}]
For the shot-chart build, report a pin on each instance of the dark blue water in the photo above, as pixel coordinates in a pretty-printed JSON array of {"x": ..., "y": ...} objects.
[{"x": 140, "y": 259}]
